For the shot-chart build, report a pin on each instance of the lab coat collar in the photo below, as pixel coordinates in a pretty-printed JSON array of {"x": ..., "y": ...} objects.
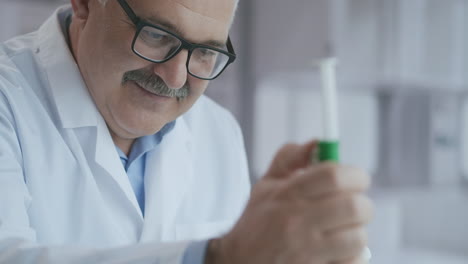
[{"x": 75, "y": 106}]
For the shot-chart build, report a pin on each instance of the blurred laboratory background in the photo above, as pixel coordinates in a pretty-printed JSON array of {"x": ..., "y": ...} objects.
[{"x": 403, "y": 91}]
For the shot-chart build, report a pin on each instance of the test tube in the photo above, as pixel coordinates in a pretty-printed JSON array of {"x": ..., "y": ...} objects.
[{"x": 328, "y": 147}]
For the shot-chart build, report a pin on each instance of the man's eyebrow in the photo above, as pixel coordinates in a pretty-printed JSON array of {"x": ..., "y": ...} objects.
[
  {"x": 214, "y": 43},
  {"x": 165, "y": 24},
  {"x": 171, "y": 27}
]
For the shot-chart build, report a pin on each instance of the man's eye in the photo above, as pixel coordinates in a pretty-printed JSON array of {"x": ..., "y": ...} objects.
[
  {"x": 153, "y": 35},
  {"x": 207, "y": 53},
  {"x": 156, "y": 35}
]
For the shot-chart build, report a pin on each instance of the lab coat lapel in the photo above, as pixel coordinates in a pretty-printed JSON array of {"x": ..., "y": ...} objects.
[
  {"x": 168, "y": 176},
  {"x": 75, "y": 106},
  {"x": 107, "y": 157}
]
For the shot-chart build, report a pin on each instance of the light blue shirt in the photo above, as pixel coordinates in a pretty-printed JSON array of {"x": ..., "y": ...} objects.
[{"x": 135, "y": 165}]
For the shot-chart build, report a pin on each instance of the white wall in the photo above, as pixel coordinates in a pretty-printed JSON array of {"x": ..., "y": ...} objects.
[
  {"x": 23, "y": 16},
  {"x": 464, "y": 139}
]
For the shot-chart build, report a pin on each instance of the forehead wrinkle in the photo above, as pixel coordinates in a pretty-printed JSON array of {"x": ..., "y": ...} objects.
[{"x": 197, "y": 13}]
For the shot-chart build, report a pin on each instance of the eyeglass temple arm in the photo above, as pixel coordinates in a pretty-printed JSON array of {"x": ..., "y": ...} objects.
[
  {"x": 230, "y": 47},
  {"x": 129, "y": 11}
]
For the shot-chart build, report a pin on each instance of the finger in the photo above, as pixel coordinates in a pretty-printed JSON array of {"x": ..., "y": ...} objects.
[
  {"x": 345, "y": 244},
  {"x": 326, "y": 178},
  {"x": 340, "y": 211},
  {"x": 291, "y": 157}
]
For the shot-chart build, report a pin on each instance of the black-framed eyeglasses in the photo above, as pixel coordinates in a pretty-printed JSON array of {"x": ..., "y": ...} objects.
[{"x": 159, "y": 45}]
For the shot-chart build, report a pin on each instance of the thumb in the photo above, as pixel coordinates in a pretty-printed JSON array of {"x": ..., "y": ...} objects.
[{"x": 290, "y": 158}]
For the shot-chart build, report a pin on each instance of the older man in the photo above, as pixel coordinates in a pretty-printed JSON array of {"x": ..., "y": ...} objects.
[{"x": 110, "y": 153}]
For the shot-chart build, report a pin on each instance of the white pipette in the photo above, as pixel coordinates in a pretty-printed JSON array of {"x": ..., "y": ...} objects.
[{"x": 328, "y": 149}]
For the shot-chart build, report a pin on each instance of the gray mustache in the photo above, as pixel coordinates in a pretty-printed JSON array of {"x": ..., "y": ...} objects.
[{"x": 154, "y": 84}]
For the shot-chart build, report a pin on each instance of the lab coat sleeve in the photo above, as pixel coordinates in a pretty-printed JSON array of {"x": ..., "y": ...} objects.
[
  {"x": 243, "y": 181},
  {"x": 196, "y": 252},
  {"x": 15, "y": 250},
  {"x": 18, "y": 242}
]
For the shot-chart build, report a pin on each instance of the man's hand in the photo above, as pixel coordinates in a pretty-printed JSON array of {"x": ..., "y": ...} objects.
[{"x": 300, "y": 213}]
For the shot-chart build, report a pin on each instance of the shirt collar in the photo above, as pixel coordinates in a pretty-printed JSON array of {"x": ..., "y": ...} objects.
[{"x": 145, "y": 144}]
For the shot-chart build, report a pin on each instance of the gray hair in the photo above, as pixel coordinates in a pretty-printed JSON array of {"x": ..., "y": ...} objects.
[{"x": 104, "y": 2}]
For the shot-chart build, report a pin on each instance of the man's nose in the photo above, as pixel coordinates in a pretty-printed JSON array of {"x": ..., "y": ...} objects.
[{"x": 174, "y": 71}]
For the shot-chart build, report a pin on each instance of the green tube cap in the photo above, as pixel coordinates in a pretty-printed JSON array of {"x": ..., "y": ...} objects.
[{"x": 328, "y": 151}]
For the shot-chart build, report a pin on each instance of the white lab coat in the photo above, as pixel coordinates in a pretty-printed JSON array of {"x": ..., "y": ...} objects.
[{"x": 64, "y": 195}]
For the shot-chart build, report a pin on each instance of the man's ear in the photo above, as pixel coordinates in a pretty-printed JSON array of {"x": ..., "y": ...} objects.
[{"x": 81, "y": 8}]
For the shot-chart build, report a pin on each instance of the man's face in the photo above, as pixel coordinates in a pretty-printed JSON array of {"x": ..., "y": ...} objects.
[{"x": 119, "y": 81}]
